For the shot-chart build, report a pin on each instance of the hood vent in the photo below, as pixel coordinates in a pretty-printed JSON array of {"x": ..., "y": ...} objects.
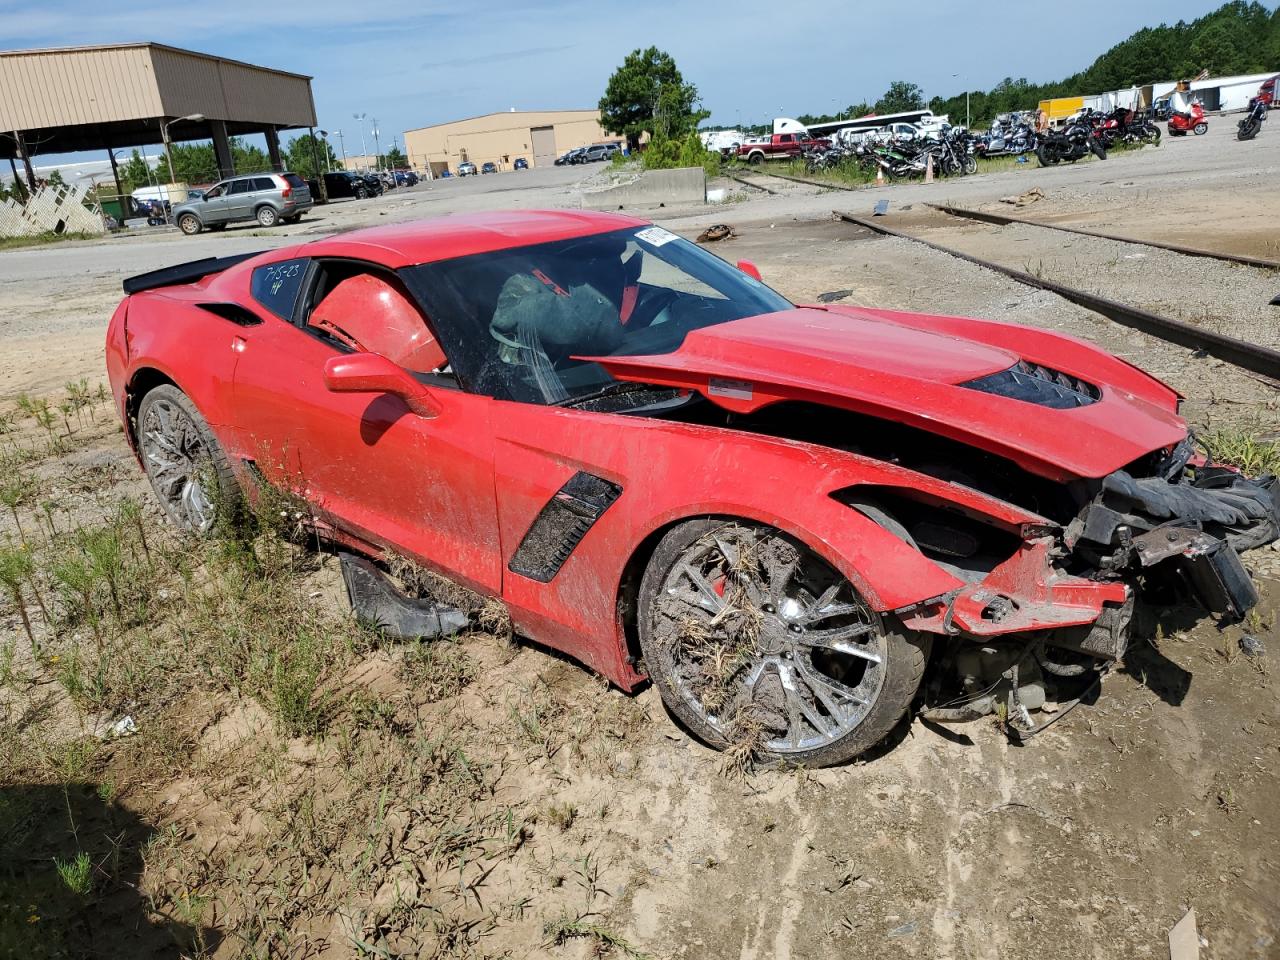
[{"x": 1043, "y": 386}]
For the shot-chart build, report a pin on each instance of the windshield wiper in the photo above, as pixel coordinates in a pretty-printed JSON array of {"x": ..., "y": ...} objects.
[{"x": 610, "y": 390}]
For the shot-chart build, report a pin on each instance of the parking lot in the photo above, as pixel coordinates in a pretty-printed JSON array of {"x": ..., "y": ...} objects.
[{"x": 1090, "y": 841}]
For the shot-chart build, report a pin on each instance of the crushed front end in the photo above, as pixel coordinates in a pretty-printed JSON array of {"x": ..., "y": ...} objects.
[{"x": 1038, "y": 628}]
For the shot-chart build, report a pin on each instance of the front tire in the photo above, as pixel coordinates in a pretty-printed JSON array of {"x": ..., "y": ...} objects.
[
  {"x": 267, "y": 217},
  {"x": 755, "y": 642},
  {"x": 1047, "y": 155},
  {"x": 189, "y": 224},
  {"x": 186, "y": 465},
  {"x": 1248, "y": 129},
  {"x": 1200, "y": 129}
]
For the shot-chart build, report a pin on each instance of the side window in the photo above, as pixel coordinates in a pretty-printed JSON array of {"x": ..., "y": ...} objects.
[
  {"x": 276, "y": 286},
  {"x": 240, "y": 186},
  {"x": 218, "y": 190},
  {"x": 264, "y": 183},
  {"x": 373, "y": 313}
]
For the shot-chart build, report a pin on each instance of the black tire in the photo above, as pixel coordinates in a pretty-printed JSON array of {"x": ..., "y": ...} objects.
[
  {"x": 1098, "y": 149},
  {"x": 755, "y": 159},
  {"x": 190, "y": 224},
  {"x": 361, "y": 193},
  {"x": 1046, "y": 154},
  {"x": 266, "y": 216},
  {"x": 1151, "y": 134},
  {"x": 1200, "y": 129},
  {"x": 1248, "y": 128},
  {"x": 772, "y": 674},
  {"x": 185, "y": 464}
]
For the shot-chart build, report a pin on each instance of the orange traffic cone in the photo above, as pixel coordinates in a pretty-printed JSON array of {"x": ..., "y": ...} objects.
[
  {"x": 928, "y": 170},
  {"x": 879, "y": 175}
]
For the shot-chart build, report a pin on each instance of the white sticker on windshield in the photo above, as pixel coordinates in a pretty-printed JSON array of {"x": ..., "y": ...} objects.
[{"x": 655, "y": 236}]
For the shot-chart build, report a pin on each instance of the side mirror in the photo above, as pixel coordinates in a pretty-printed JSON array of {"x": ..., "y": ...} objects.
[
  {"x": 374, "y": 373},
  {"x": 750, "y": 269}
]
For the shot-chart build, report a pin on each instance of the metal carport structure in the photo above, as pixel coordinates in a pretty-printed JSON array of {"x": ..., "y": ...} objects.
[{"x": 68, "y": 99}]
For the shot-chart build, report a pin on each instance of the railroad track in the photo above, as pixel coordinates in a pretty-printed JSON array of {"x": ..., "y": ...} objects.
[
  {"x": 784, "y": 176},
  {"x": 1248, "y": 356},
  {"x": 1003, "y": 220}
]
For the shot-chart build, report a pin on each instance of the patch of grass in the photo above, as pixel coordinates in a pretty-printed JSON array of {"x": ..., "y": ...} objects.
[
  {"x": 565, "y": 928},
  {"x": 43, "y": 239},
  {"x": 1243, "y": 447},
  {"x": 437, "y": 669},
  {"x": 76, "y": 874}
]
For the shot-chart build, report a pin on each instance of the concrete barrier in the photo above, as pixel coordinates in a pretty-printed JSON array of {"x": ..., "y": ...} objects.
[{"x": 653, "y": 188}]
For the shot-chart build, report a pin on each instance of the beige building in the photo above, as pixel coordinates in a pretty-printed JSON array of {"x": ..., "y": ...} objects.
[
  {"x": 539, "y": 136},
  {"x": 360, "y": 163}
]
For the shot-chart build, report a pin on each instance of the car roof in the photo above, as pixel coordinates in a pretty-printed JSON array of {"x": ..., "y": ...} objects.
[{"x": 460, "y": 235}]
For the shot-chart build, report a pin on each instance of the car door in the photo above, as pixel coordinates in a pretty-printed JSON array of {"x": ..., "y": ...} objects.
[
  {"x": 367, "y": 465},
  {"x": 213, "y": 209},
  {"x": 240, "y": 199}
]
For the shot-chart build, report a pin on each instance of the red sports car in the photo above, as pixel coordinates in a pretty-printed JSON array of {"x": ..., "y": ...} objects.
[{"x": 799, "y": 522}]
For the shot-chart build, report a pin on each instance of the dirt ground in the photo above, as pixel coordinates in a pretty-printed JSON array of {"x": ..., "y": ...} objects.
[{"x": 486, "y": 798}]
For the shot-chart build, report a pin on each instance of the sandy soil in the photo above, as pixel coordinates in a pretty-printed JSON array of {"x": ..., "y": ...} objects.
[{"x": 947, "y": 843}]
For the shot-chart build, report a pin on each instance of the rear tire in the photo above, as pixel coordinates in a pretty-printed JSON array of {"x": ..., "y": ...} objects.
[
  {"x": 190, "y": 224},
  {"x": 793, "y": 667},
  {"x": 267, "y": 217},
  {"x": 187, "y": 467}
]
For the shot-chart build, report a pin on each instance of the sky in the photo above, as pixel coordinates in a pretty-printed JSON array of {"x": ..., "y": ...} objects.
[{"x": 411, "y": 63}]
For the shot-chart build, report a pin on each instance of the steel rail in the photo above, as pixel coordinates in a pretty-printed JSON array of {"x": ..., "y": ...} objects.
[
  {"x": 1241, "y": 353},
  {"x": 811, "y": 183},
  {"x": 1003, "y": 220},
  {"x": 756, "y": 186}
]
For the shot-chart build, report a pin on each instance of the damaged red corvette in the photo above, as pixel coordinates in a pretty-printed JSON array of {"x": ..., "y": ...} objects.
[{"x": 799, "y": 522}]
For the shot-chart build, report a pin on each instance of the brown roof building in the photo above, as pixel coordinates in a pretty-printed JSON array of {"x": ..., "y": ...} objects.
[{"x": 66, "y": 99}]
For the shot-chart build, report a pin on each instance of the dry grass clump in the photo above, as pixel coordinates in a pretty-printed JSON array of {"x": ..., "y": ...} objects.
[{"x": 1243, "y": 447}]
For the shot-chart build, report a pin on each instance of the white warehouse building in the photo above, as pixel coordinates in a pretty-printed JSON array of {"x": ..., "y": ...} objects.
[{"x": 1214, "y": 93}]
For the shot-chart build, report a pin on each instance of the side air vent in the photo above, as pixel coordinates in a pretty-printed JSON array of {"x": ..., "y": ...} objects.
[
  {"x": 561, "y": 524},
  {"x": 241, "y": 316},
  {"x": 1043, "y": 386}
]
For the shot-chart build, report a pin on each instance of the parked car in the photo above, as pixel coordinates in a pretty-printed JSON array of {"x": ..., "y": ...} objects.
[
  {"x": 373, "y": 184},
  {"x": 779, "y": 146},
  {"x": 576, "y": 155},
  {"x": 406, "y": 178},
  {"x": 801, "y": 520},
  {"x": 520, "y": 164},
  {"x": 600, "y": 151},
  {"x": 489, "y": 167},
  {"x": 467, "y": 169},
  {"x": 268, "y": 198},
  {"x": 346, "y": 183}
]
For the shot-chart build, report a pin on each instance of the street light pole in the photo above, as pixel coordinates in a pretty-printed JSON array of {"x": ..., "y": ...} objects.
[
  {"x": 164, "y": 131},
  {"x": 364, "y": 147},
  {"x": 377, "y": 147}
]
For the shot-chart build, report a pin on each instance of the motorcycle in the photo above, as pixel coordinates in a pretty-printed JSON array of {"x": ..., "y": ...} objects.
[
  {"x": 1008, "y": 140},
  {"x": 1077, "y": 140},
  {"x": 1180, "y": 123},
  {"x": 1248, "y": 128}
]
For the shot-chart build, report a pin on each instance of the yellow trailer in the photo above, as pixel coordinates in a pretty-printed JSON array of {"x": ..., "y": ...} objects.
[{"x": 1061, "y": 107}]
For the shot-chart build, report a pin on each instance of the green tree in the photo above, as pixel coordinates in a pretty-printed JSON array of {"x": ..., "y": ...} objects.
[
  {"x": 394, "y": 159},
  {"x": 55, "y": 179},
  {"x": 135, "y": 171},
  {"x": 302, "y": 153},
  {"x": 248, "y": 158},
  {"x": 648, "y": 94},
  {"x": 900, "y": 97}
]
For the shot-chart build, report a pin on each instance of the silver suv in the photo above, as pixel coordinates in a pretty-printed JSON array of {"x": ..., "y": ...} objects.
[{"x": 266, "y": 197}]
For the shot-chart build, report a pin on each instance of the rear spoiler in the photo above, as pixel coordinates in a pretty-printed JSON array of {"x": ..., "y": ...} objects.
[{"x": 185, "y": 272}]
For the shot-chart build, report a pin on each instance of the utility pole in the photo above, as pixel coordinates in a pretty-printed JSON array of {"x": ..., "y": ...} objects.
[
  {"x": 342, "y": 145},
  {"x": 377, "y": 148}
]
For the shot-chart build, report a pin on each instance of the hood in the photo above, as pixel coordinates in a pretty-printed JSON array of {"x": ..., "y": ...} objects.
[{"x": 1064, "y": 410}]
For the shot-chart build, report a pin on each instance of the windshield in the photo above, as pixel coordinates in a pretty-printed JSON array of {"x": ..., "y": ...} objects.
[{"x": 513, "y": 321}]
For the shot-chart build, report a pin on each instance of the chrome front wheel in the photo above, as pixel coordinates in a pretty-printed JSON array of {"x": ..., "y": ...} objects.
[{"x": 753, "y": 638}]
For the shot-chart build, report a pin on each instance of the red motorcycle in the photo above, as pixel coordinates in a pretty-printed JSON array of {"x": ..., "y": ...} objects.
[{"x": 1180, "y": 123}]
